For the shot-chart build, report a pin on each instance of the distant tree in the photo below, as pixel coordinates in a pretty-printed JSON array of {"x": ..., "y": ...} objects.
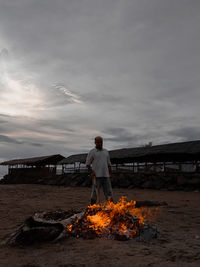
[{"x": 148, "y": 144}]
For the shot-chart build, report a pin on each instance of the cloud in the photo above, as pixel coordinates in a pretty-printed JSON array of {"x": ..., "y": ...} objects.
[
  {"x": 122, "y": 137},
  {"x": 21, "y": 93},
  {"x": 71, "y": 70},
  {"x": 69, "y": 96},
  {"x": 41, "y": 137},
  {"x": 6, "y": 139},
  {"x": 103, "y": 97},
  {"x": 186, "y": 133},
  {"x": 4, "y": 54}
]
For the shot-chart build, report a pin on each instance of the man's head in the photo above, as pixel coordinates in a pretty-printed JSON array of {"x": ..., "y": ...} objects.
[{"x": 98, "y": 142}]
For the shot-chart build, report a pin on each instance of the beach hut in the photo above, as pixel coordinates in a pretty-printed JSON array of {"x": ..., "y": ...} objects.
[{"x": 30, "y": 168}]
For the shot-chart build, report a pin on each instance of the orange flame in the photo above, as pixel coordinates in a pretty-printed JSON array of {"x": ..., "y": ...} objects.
[{"x": 122, "y": 218}]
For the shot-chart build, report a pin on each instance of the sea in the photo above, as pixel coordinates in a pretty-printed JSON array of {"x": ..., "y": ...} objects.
[{"x": 3, "y": 171}]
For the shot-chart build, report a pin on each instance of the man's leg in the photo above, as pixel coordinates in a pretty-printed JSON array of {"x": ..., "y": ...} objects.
[
  {"x": 93, "y": 194},
  {"x": 107, "y": 188}
]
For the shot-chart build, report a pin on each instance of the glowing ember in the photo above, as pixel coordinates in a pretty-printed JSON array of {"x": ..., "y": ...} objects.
[{"x": 110, "y": 220}]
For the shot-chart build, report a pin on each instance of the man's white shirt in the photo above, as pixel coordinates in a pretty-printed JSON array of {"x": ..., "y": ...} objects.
[{"x": 100, "y": 160}]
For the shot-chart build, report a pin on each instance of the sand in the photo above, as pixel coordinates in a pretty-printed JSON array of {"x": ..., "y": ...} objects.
[{"x": 178, "y": 242}]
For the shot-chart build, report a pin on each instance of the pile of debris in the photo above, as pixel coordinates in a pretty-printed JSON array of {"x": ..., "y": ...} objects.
[{"x": 121, "y": 221}]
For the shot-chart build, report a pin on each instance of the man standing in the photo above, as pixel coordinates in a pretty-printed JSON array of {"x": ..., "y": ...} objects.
[{"x": 99, "y": 166}]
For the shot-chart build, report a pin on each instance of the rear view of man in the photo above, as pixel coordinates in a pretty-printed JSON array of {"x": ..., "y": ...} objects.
[{"x": 99, "y": 166}]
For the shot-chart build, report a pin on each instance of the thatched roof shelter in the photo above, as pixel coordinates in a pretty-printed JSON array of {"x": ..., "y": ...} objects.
[
  {"x": 180, "y": 152},
  {"x": 36, "y": 161},
  {"x": 184, "y": 151},
  {"x": 74, "y": 158}
]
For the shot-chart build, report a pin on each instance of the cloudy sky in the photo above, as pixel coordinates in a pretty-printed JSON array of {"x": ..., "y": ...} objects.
[{"x": 73, "y": 69}]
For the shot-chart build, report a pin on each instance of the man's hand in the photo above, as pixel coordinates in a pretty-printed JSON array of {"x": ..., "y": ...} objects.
[
  {"x": 92, "y": 174},
  {"x": 110, "y": 173},
  {"x": 111, "y": 178}
]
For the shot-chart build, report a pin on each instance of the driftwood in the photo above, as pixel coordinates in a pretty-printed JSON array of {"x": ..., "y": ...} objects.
[
  {"x": 148, "y": 203},
  {"x": 43, "y": 227}
]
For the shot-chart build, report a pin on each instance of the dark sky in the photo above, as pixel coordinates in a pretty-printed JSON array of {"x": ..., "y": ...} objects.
[{"x": 73, "y": 69}]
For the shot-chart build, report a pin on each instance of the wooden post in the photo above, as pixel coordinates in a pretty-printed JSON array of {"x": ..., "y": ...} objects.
[
  {"x": 180, "y": 167},
  {"x": 164, "y": 167},
  {"x": 79, "y": 166},
  {"x": 197, "y": 166},
  {"x": 62, "y": 168},
  {"x": 154, "y": 167}
]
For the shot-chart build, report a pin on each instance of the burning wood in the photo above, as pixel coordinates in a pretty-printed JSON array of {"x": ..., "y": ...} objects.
[
  {"x": 108, "y": 220},
  {"x": 121, "y": 221}
]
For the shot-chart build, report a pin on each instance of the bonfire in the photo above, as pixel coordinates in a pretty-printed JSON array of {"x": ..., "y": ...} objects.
[
  {"x": 110, "y": 220},
  {"x": 122, "y": 221}
]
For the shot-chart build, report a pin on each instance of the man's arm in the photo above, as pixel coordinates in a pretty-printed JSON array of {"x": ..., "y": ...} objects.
[
  {"x": 109, "y": 167},
  {"x": 91, "y": 172},
  {"x": 110, "y": 172},
  {"x": 89, "y": 161}
]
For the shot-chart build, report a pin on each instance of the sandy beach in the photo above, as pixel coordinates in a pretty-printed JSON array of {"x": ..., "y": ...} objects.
[{"x": 178, "y": 223}]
